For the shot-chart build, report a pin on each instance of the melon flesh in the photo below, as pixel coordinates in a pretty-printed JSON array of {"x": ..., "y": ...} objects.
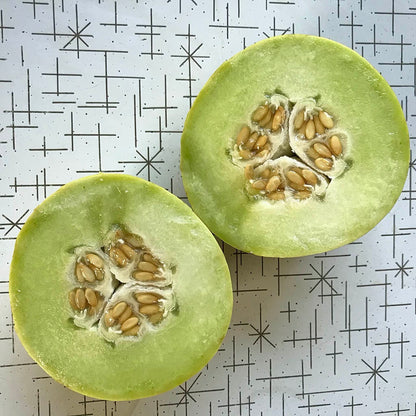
[
  {"x": 81, "y": 214},
  {"x": 347, "y": 87}
]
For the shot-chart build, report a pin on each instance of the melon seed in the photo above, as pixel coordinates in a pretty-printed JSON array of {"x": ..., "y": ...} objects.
[
  {"x": 149, "y": 258},
  {"x": 243, "y": 135},
  {"x": 91, "y": 297},
  {"x": 156, "y": 318},
  {"x": 260, "y": 112},
  {"x": 86, "y": 272},
  {"x": 295, "y": 178},
  {"x": 335, "y": 145},
  {"x": 310, "y": 129},
  {"x": 143, "y": 276},
  {"x": 118, "y": 256},
  {"x": 302, "y": 129},
  {"x": 273, "y": 184},
  {"x": 95, "y": 260},
  {"x": 132, "y": 331},
  {"x": 109, "y": 320},
  {"x": 310, "y": 177},
  {"x": 147, "y": 298},
  {"x": 277, "y": 120},
  {"x": 298, "y": 120},
  {"x": 72, "y": 300},
  {"x": 323, "y": 164},
  {"x": 312, "y": 153},
  {"x": 245, "y": 154},
  {"x": 319, "y": 127},
  {"x": 80, "y": 300},
  {"x": 276, "y": 196},
  {"x": 265, "y": 120},
  {"x": 132, "y": 240},
  {"x": 259, "y": 184},
  {"x": 99, "y": 273},
  {"x": 146, "y": 266},
  {"x": 128, "y": 251},
  {"x": 118, "y": 309},
  {"x": 266, "y": 173},
  {"x": 251, "y": 141},
  {"x": 261, "y": 141},
  {"x": 129, "y": 323},
  {"x": 149, "y": 309},
  {"x": 326, "y": 119},
  {"x": 78, "y": 273},
  {"x": 125, "y": 315},
  {"x": 322, "y": 149}
]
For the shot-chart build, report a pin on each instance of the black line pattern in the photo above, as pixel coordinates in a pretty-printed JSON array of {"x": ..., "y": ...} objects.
[{"x": 105, "y": 86}]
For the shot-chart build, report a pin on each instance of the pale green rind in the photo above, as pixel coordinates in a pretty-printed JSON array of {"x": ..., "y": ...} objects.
[
  {"x": 81, "y": 213},
  {"x": 348, "y": 87}
]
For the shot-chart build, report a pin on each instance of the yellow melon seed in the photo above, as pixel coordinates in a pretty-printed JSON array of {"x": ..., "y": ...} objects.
[
  {"x": 109, "y": 320},
  {"x": 326, "y": 120},
  {"x": 72, "y": 300},
  {"x": 80, "y": 300},
  {"x": 310, "y": 129},
  {"x": 276, "y": 196},
  {"x": 322, "y": 149},
  {"x": 335, "y": 145},
  {"x": 147, "y": 298},
  {"x": 295, "y": 178},
  {"x": 128, "y": 251},
  {"x": 245, "y": 154},
  {"x": 243, "y": 135},
  {"x": 323, "y": 164},
  {"x": 310, "y": 177},
  {"x": 251, "y": 141},
  {"x": 302, "y": 128},
  {"x": 149, "y": 309},
  {"x": 78, "y": 273},
  {"x": 260, "y": 184},
  {"x": 91, "y": 297},
  {"x": 156, "y": 318},
  {"x": 118, "y": 309},
  {"x": 129, "y": 323},
  {"x": 266, "y": 119},
  {"x": 146, "y": 266},
  {"x": 277, "y": 120},
  {"x": 131, "y": 332},
  {"x": 299, "y": 119},
  {"x": 273, "y": 184},
  {"x": 95, "y": 260},
  {"x": 125, "y": 315},
  {"x": 260, "y": 112},
  {"x": 118, "y": 256},
  {"x": 85, "y": 272},
  {"x": 320, "y": 129},
  {"x": 266, "y": 173},
  {"x": 143, "y": 276},
  {"x": 261, "y": 141}
]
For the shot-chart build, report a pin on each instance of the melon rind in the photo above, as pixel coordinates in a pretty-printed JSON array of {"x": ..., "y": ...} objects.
[
  {"x": 81, "y": 213},
  {"x": 348, "y": 88}
]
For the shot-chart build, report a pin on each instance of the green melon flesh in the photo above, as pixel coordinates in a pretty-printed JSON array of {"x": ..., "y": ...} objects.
[
  {"x": 346, "y": 86},
  {"x": 81, "y": 213}
]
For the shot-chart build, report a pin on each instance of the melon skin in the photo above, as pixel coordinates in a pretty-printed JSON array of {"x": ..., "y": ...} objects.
[
  {"x": 81, "y": 213},
  {"x": 345, "y": 85}
]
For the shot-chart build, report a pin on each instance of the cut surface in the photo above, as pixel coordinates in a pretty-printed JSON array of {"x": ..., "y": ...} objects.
[
  {"x": 79, "y": 214},
  {"x": 373, "y": 134}
]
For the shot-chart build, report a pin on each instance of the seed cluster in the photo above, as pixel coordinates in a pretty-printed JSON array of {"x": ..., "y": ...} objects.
[
  {"x": 316, "y": 126},
  {"x": 140, "y": 304},
  {"x": 312, "y": 138},
  {"x": 88, "y": 299},
  {"x": 90, "y": 268},
  {"x": 255, "y": 143}
]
